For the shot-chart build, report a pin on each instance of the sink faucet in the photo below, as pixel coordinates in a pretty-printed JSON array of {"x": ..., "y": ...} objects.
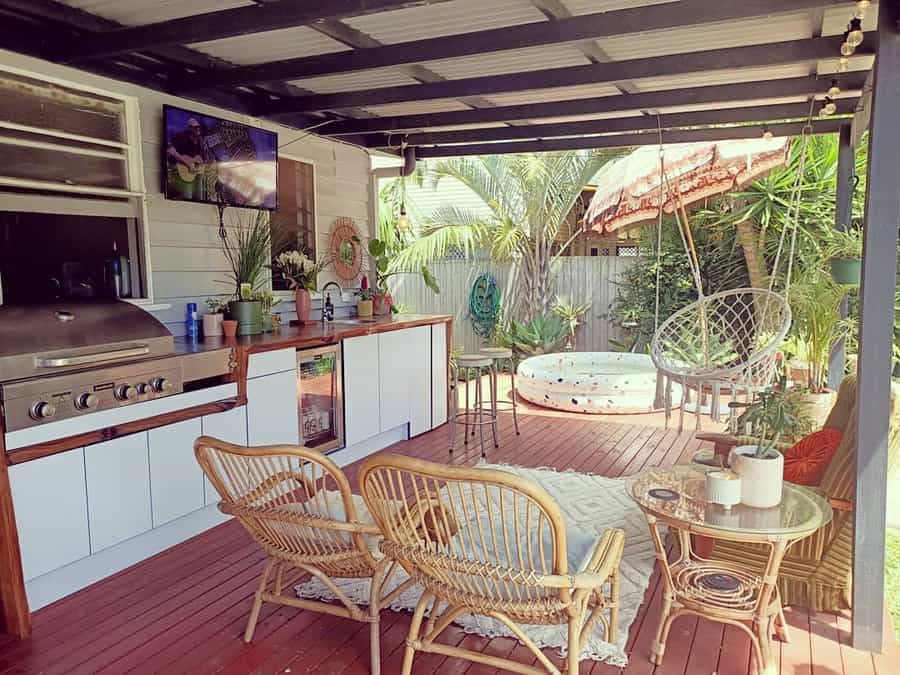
[{"x": 327, "y": 306}]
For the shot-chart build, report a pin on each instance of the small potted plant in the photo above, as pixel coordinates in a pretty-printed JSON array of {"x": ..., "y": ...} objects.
[
  {"x": 215, "y": 314},
  {"x": 365, "y": 294},
  {"x": 247, "y": 248},
  {"x": 761, "y": 466},
  {"x": 301, "y": 273},
  {"x": 268, "y": 301},
  {"x": 843, "y": 249},
  {"x": 383, "y": 302}
]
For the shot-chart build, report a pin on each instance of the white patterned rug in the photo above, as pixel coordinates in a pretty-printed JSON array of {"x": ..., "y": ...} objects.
[{"x": 590, "y": 504}]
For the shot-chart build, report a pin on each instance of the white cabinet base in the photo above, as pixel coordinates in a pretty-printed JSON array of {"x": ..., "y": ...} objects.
[{"x": 358, "y": 451}]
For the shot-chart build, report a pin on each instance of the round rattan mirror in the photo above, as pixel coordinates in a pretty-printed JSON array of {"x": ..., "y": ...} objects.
[{"x": 346, "y": 249}]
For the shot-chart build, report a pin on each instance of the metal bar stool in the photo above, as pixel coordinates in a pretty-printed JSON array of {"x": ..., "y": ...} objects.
[
  {"x": 473, "y": 416},
  {"x": 498, "y": 355}
]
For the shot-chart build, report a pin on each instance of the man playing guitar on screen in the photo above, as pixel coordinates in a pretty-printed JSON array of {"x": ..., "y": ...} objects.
[{"x": 187, "y": 154}]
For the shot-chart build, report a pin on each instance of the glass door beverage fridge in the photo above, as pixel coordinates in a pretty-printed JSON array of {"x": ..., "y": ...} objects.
[{"x": 319, "y": 398}]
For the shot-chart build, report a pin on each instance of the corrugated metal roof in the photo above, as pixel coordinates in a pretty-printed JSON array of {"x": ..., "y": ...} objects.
[
  {"x": 594, "y": 6},
  {"x": 836, "y": 19},
  {"x": 554, "y": 94},
  {"x": 513, "y": 61},
  {"x": 720, "y": 35},
  {"x": 725, "y": 76},
  {"x": 273, "y": 45},
  {"x": 137, "y": 12},
  {"x": 417, "y": 107},
  {"x": 367, "y": 79},
  {"x": 446, "y": 18}
]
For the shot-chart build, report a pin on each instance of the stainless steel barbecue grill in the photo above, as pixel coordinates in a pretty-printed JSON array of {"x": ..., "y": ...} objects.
[{"x": 66, "y": 359}]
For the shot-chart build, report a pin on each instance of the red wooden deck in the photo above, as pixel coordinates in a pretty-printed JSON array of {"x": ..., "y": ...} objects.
[{"x": 184, "y": 610}]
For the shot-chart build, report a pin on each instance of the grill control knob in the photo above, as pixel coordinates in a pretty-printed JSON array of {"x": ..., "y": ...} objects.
[
  {"x": 43, "y": 410},
  {"x": 87, "y": 401},
  {"x": 160, "y": 384},
  {"x": 143, "y": 388},
  {"x": 125, "y": 392}
]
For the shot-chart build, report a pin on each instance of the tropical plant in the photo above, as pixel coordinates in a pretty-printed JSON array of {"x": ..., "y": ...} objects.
[
  {"x": 248, "y": 246},
  {"x": 772, "y": 414},
  {"x": 384, "y": 269},
  {"x": 542, "y": 334},
  {"x": 570, "y": 312},
  {"x": 298, "y": 269},
  {"x": 843, "y": 243},
  {"x": 816, "y": 306},
  {"x": 529, "y": 197}
]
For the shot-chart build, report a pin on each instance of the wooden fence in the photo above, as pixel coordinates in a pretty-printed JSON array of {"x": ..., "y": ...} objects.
[{"x": 584, "y": 279}]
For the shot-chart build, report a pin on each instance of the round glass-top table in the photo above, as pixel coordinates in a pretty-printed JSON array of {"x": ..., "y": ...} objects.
[{"x": 716, "y": 589}]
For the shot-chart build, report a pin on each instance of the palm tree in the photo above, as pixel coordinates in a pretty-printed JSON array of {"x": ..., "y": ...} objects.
[{"x": 529, "y": 197}]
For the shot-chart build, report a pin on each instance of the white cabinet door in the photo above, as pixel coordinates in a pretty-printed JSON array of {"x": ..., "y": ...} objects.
[
  {"x": 418, "y": 372},
  {"x": 230, "y": 426},
  {"x": 438, "y": 374},
  {"x": 361, "y": 410},
  {"x": 118, "y": 490},
  {"x": 50, "y": 502},
  {"x": 394, "y": 367},
  {"x": 272, "y": 409},
  {"x": 176, "y": 481}
]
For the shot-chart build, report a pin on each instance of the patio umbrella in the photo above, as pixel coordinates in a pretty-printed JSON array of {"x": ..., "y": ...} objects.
[{"x": 629, "y": 189}]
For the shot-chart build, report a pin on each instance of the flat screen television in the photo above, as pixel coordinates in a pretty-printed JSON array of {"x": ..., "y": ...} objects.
[{"x": 210, "y": 160}]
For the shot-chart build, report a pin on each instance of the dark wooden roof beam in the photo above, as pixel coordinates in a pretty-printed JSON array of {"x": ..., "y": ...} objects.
[
  {"x": 766, "y": 113},
  {"x": 561, "y": 30},
  {"x": 793, "y": 51},
  {"x": 222, "y": 24}
]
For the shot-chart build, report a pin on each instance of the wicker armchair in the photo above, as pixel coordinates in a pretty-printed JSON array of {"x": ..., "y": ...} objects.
[
  {"x": 487, "y": 542},
  {"x": 817, "y": 572},
  {"x": 297, "y": 505}
]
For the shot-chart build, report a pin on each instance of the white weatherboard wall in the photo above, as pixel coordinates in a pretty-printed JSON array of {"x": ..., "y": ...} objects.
[{"x": 185, "y": 253}]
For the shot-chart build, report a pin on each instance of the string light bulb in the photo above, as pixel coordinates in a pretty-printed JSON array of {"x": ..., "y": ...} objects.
[
  {"x": 846, "y": 48},
  {"x": 855, "y": 33},
  {"x": 829, "y": 108},
  {"x": 843, "y": 64},
  {"x": 403, "y": 220},
  {"x": 834, "y": 90},
  {"x": 767, "y": 134}
]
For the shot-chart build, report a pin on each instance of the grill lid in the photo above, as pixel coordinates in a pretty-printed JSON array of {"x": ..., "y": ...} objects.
[{"x": 61, "y": 336}]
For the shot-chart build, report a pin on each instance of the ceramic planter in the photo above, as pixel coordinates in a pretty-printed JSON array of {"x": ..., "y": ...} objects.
[
  {"x": 761, "y": 479},
  {"x": 723, "y": 488},
  {"x": 846, "y": 271},
  {"x": 248, "y": 314},
  {"x": 303, "y": 302},
  {"x": 364, "y": 309},
  {"x": 212, "y": 325},
  {"x": 229, "y": 327}
]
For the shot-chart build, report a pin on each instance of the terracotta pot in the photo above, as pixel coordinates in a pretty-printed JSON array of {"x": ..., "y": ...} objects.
[
  {"x": 229, "y": 327},
  {"x": 761, "y": 479},
  {"x": 303, "y": 303},
  {"x": 212, "y": 325},
  {"x": 364, "y": 309},
  {"x": 383, "y": 304}
]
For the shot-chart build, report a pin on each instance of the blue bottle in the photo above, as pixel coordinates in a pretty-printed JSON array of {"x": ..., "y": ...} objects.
[{"x": 192, "y": 321}]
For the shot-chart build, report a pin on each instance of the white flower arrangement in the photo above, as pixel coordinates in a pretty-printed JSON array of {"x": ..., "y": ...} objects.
[{"x": 298, "y": 269}]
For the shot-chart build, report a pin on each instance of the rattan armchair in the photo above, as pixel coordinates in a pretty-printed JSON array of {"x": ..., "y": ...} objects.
[
  {"x": 297, "y": 505},
  {"x": 817, "y": 572},
  {"x": 487, "y": 542}
]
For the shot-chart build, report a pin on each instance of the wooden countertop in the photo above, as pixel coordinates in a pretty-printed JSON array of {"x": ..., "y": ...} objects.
[{"x": 312, "y": 334}]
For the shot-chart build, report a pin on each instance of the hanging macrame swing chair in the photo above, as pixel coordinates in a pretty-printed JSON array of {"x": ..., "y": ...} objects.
[{"x": 726, "y": 342}]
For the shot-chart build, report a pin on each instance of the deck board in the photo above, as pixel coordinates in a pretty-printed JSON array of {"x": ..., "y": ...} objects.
[{"x": 184, "y": 610}]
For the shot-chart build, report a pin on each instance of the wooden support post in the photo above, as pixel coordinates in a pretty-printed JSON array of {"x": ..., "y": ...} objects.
[
  {"x": 843, "y": 214},
  {"x": 876, "y": 336},
  {"x": 13, "y": 601}
]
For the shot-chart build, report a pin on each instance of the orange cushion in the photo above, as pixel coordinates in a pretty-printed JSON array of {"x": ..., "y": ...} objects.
[{"x": 806, "y": 461}]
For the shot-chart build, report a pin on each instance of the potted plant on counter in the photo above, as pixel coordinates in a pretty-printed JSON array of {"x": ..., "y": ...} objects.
[
  {"x": 247, "y": 248},
  {"x": 268, "y": 301},
  {"x": 384, "y": 303},
  {"x": 843, "y": 249},
  {"x": 365, "y": 295},
  {"x": 301, "y": 273},
  {"x": 215, "y": 314},
  {"x": 771, "y": 416}
]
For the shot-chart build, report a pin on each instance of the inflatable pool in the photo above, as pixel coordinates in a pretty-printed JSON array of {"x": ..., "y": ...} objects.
[{"x": 591, "y": 382}]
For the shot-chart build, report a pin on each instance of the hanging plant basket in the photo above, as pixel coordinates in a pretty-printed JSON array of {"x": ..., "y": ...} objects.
[{"x": 846, "y": 271}]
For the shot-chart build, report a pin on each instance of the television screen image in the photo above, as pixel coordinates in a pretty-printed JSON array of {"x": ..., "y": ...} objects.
[{"x": 211, "y": 160}]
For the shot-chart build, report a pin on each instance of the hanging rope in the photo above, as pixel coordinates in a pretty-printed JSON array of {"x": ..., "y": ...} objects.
[
  {"x": 659, "y": 222},
  {"x": 484, "y": 305}
]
